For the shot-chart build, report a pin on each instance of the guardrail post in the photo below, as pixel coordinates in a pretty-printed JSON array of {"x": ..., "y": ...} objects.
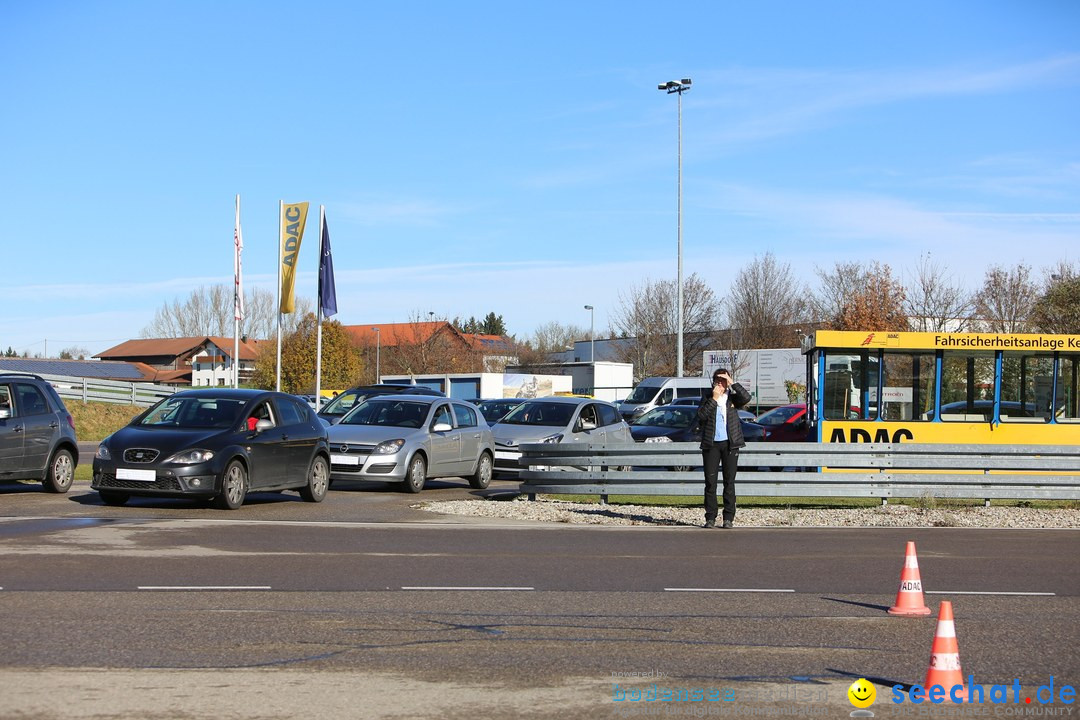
[
  {"x": 603, "y": 499},
  {"x": 84, "y": 390}
]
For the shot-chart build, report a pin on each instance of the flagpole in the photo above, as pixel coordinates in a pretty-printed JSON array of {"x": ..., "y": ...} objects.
[
  {"x": 237, "y": 299},
  {"x": 281, "y": 223},
  {"x": 318, "y": 312}
]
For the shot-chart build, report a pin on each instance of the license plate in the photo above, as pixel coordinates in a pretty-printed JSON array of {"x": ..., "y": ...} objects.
[
  {"x": 505, "y": 455},
  {"x": 344, "y": 460},
  {"x": 140, "y": 475}
]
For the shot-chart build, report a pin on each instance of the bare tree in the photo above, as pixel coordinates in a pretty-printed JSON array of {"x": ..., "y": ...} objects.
[
  {"x": 766, "y": 304},
  {"x": 834, "y": 290},
  {"x": 556, "y": 337},
  {"x": 1057, "y": 309},
  {"x": 209, "y": 311},
  {"x": 935, "y": 301},
  {"x": 1005, "y": 302},
  {"x": 648, "y": 315},
  {"x": 423, "y": 351}
]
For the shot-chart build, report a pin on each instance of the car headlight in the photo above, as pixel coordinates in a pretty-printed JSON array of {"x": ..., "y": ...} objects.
[
  {"x": 659, "y": 438},
  {"x": 103, "y": 452},
  {"x": 191, "y": 457},
  {"x": 553, "y": 439},
  {"x": 389, "y": 447}
]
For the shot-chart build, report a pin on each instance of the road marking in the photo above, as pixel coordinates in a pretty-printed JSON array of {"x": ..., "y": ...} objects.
[
  {"x": 204, "y": 587},
  {"x": 746, "y": 590},
  {"x": 460, "y": 587},
  {"x": 983, "y": 592}
]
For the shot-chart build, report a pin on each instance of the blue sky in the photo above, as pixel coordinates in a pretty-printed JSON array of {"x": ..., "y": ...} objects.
[{"x": 518, "y": 158}]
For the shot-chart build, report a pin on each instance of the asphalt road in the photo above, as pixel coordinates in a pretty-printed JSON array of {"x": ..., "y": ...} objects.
[{"x": 363, "y": 606}]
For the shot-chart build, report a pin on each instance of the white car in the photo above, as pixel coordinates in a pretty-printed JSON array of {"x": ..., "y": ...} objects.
[
  {"x": 555, "y": 419},
  {"x": 409, "y": 438}
]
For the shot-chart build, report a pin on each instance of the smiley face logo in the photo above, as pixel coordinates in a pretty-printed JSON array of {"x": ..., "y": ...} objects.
[{"x": 861, "y": 693}]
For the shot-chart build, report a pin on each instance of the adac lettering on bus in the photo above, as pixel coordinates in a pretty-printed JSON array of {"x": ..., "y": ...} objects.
[{"x": 881, "y": 435}]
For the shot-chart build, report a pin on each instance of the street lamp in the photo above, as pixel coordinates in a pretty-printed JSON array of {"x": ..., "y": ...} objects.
[
  {"x": 592, "y": 334},
  {"x": 378, "y": 347},
  {"x": 678, "y": 87}
]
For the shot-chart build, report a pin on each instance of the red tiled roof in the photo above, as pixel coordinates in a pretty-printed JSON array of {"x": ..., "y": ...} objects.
[
  {"x": 176, "y": 347},
  {"x": 393, "y": 334}
]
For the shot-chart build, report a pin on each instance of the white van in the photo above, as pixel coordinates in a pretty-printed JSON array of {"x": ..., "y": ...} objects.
[{"x": 655, "y": 391}]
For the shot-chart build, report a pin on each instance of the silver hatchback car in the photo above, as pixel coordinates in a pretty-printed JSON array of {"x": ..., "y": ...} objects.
[
  {"x": 410, "y": 438},
  {"x": 556, "y": 419}
]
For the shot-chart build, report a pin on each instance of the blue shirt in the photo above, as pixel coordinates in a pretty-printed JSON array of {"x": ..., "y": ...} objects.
[{"x": 721, "y": 422}]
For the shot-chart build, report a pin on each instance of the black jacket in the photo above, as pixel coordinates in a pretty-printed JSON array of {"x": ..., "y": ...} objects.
[{"x": 707, "y": 417}]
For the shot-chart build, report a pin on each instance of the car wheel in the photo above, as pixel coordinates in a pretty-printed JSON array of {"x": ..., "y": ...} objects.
[
  {"x": 233, "y": 487},
  {"x": 482, "y": 477},
  {"x": 318, "y": 481},
  {"x": 61, "y": 472},
  {"x": 116, "y": 499},
  {"x": 416, "y": 475}
]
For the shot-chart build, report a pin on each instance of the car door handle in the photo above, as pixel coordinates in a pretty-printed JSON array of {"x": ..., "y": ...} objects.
[
  {"x": 284, "y": 436},
  {"x": 54, "y": 425},
  {"x": 17, "y": 428}
]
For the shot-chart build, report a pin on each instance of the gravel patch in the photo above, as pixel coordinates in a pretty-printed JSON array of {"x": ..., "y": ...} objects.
[{"x": 558, "y": 511}]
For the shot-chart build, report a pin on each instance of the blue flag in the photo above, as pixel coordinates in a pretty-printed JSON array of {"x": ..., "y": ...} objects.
[{"x": 327, "y": 291}]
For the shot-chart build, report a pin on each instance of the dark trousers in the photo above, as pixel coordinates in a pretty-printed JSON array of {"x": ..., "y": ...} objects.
[{"x": 720, "y": 459}]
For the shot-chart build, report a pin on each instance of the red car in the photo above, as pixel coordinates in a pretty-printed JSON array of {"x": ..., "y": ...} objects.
[{"x": 786, "y": 423}]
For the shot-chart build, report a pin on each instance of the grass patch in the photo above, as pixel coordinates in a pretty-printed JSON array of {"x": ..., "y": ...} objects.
[{"x": 95, "y": 421}]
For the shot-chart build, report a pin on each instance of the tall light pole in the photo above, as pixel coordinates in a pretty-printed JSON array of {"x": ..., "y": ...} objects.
[
  {"x": 678, "y": 87},
  {"x": 592, "y": 334},
  {"x": 378, "y": 347}
]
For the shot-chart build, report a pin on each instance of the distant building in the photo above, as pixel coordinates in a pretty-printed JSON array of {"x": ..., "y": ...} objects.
[
  {"x": 197, "y": 361},
  {"x": 496, "y": 350}
]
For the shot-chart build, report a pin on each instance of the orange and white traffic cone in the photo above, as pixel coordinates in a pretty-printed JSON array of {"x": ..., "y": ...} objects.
[
  {"x": 909, "y": 598},
  {"x": 944, "y": 667}
]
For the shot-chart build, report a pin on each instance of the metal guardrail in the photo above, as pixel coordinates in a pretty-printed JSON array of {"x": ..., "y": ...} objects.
[
  {"x": 900, "y": 470},
  {"x": 108, "y": 391}
]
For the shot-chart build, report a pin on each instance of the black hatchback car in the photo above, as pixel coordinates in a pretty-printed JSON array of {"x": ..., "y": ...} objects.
[
  {"x": 216, "y": 444},
  {"x": 37, "y": 434}
]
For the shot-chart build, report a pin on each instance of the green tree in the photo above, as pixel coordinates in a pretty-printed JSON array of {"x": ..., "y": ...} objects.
[
  {"x": 342, "y": 365},
  {"x": 493, "y": 325}
]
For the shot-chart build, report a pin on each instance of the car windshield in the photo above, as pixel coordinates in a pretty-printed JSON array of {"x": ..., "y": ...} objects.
[
  {"x": 388, "y": 412},
  {"x": 780, "y": 415},
  {"x": 341, "y": 404},
  {"x": 495, "y": 409},
  {"x": 193, "y": 412},
  {"x": 642, "y": 394},
  {"x": 540, "y": 413},
  {"x": 669, "y": 416}
]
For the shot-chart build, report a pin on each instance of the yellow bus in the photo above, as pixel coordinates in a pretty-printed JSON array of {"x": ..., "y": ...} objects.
[{"x": 925, "y": 387}]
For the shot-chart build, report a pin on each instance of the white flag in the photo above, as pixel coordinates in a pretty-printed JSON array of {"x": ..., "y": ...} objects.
[{"x": 238, "y": 280}]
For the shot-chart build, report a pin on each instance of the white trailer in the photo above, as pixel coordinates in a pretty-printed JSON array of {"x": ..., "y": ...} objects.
[{"x": 768, "y": 374}]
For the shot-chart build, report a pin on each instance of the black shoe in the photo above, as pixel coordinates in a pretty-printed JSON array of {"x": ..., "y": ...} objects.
[
  {"x": 710, "y": 524},
  {"x": 727, "y": 525}
]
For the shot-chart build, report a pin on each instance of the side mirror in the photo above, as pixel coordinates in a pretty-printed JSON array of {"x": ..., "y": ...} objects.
[
  {"x": 262, "y": 426},
  {"x": 441, "y": 427},
  {"x": 588, "y": 425}
]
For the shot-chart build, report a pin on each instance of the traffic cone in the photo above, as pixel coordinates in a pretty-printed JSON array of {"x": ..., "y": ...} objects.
[
  {"x": 944, "y": 667},
  {"x": 909, "y": 598}
]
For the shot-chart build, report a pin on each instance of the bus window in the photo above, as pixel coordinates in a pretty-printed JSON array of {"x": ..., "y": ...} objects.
[
  {"x": 1026, "y": 382},
  {"x": 1066, "y": 406},
  {"x": 967, "y": 386},
  {"x": 909, "y": 386}
]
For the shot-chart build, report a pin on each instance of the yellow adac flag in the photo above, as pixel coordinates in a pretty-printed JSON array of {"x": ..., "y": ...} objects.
[{"x": 293, "y": 220}]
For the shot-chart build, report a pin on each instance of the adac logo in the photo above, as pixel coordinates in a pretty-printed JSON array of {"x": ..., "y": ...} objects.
[
  {"x": 862, "y": 695},
  {"x": 869, "y": 339}
]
